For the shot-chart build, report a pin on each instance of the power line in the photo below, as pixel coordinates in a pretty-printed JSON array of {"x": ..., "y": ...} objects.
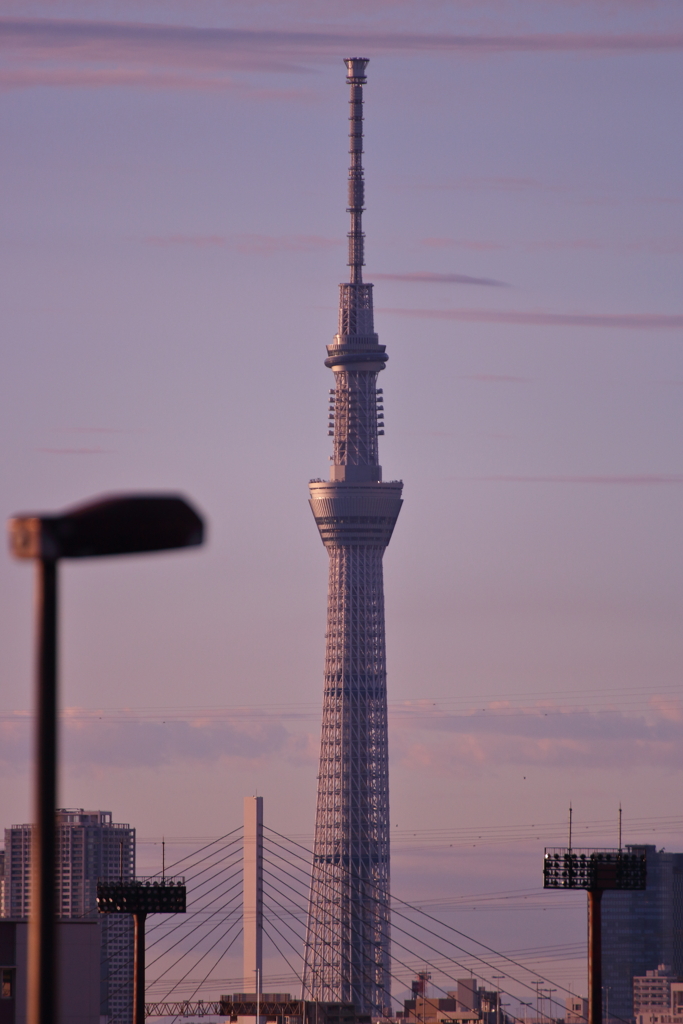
[
  {"x": 219, "y": 939},
  {"x": 449, "y": 941}
]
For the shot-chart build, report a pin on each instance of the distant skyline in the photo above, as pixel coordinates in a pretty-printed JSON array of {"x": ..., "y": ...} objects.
[{"x": 173, "y": 238}]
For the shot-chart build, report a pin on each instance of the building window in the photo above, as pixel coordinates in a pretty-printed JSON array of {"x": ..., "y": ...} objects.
[{"x": 6, "y": 983}]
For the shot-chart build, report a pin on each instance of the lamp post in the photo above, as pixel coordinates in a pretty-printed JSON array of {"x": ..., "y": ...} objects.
[
  {"x": 110, "y": 525},
  {"x": 498, "y": 978}
]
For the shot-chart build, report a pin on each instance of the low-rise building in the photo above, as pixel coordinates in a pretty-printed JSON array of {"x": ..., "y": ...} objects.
[
  {"x": 78, "y": 971},
  {"x": 577, "y": 1010},
  {"x": 466, "y": 1003},
  {"x": 658, "y": 997},
  {"x": 652, "y": 990}
]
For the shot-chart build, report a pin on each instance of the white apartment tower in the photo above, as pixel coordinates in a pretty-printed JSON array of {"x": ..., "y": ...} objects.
[{"x": 89, "y": 846}]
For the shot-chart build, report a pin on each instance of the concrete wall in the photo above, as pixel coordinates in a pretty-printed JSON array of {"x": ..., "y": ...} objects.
[{"x": 79, "y": 971}]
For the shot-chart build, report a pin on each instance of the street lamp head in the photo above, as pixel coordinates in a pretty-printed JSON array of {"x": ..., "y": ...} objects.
[{"x": 116, "y": 524}]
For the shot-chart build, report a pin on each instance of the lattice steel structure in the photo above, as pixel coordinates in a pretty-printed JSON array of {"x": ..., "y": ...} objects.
[{"x": 347, "y": 947}]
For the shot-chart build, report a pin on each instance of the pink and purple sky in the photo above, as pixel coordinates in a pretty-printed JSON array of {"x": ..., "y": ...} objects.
[{"x": 173, "y": 176}]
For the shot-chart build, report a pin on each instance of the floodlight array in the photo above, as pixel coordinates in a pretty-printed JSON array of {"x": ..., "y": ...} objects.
[
  {"x": 141, "y": 896},
  {"x": 565, "y": 868}
]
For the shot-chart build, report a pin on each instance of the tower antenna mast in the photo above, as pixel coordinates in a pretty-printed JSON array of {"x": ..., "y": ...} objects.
[{"x": 356, "y": 78}]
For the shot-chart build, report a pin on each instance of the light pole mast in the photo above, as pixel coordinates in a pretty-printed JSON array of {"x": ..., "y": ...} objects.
[{"x": 347, "y": 949}]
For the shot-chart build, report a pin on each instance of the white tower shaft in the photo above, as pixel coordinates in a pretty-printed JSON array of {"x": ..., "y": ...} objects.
[{"x": 252, "y": 907}]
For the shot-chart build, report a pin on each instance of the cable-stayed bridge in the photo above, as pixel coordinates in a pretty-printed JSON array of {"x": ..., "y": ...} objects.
[{"x": 187, "y": 956}]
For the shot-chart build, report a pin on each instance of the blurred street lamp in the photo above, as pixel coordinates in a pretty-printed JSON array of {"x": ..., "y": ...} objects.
[{"x": 110, "y": 525}]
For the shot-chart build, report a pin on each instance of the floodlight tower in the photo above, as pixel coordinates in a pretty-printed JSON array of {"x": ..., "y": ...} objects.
[
  {"x": 347, "y": 948},
  {"x": 597, "y": 871}
]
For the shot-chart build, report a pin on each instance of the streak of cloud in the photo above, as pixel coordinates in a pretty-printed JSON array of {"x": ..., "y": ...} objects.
[
  {"x": 531, "y": 318},
  {"x": 425, "y": 277},
  {"x": 87, "y": 45},
  {"x": 104, "y": 743},
  {"x": 491, "y": 737},
  {"x": 656, "y": 246},
  {"x": 640, "y": 480},
  {"x": 495, "y": 378},
  {"x": 76, "y": 451},
  {"x": 266, "y": 245},
  {"x": 250, "y": 245},
  {"x": 462, "y": 243},
  {"x": 547, "y": 738},
  {"x": 499, "y": 183},
  {"x": 194, "y": 241},
  {"x": 102, "y": 78},
  {"x": 94, "y": 430}
]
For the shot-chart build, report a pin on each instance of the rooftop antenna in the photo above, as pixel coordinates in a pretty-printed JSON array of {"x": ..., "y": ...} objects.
[
  {"x": 570, "y": 827},
  {"x": 620, "y": 826},
  {"x": 163, "y": 858}
]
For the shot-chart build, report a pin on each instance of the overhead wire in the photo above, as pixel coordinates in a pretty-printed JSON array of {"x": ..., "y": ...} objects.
[
  {"x": 288, "y": 874},
  {"x": 299, "y": 978},
  {"x": 187, "y": 951},
  {"x": 449, "y": 941},
  {"x": 208, "y": 975},
  {"x": 129, "y": 962},
  {"x": 182, "y": 921},
  {"x": 205, "y": 954},
  {"x": 421, "y": 960}
]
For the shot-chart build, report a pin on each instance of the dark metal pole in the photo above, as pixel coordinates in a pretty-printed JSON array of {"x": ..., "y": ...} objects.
[
  {"x": 42, "y": 971},
  {"x": 594, "y": 956},
  {"x": 139, "y": 970}
]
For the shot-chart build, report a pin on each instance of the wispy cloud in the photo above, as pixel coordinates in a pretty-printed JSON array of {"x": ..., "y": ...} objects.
[
  {"x": 546, "y": 737},
  {"x": 193, "y": 56},
  {"x": 484, "y": 183},
  {"x": 546, "y": 734},
  {"x": 251, "y": 245},
  {"x": 76, "y": 451},
  {"x": 95, "y": 744},
  {"x": 266, "y": 245},
  {"x": 638, "y": 480},
  {"x": 475, "y": 245},
  {"x": 531, "y": 318},
  {"x": 94, "y": 430},
  {"x": 193, "y": 241},
  {"x": 426, "y": 277},
  {"x": 657, "y": 246},
  {"x": 102, "y": 78},
  {"x": 495, "y": 378}
]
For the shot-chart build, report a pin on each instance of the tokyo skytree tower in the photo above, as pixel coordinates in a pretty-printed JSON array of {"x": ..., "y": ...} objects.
[{"x": 347, "y": 947}]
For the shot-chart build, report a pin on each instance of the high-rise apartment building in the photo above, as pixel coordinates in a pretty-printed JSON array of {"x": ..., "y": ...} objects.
[
  {"x": 89, "y": 846},
  {"x": 641, "y": 930},
  {"x": 347, "y": 948}
]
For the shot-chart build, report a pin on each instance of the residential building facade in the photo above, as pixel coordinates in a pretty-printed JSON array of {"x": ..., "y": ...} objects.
[
  {"x": 642, "y": 929},
  {"x": 89, "y": 846}
]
